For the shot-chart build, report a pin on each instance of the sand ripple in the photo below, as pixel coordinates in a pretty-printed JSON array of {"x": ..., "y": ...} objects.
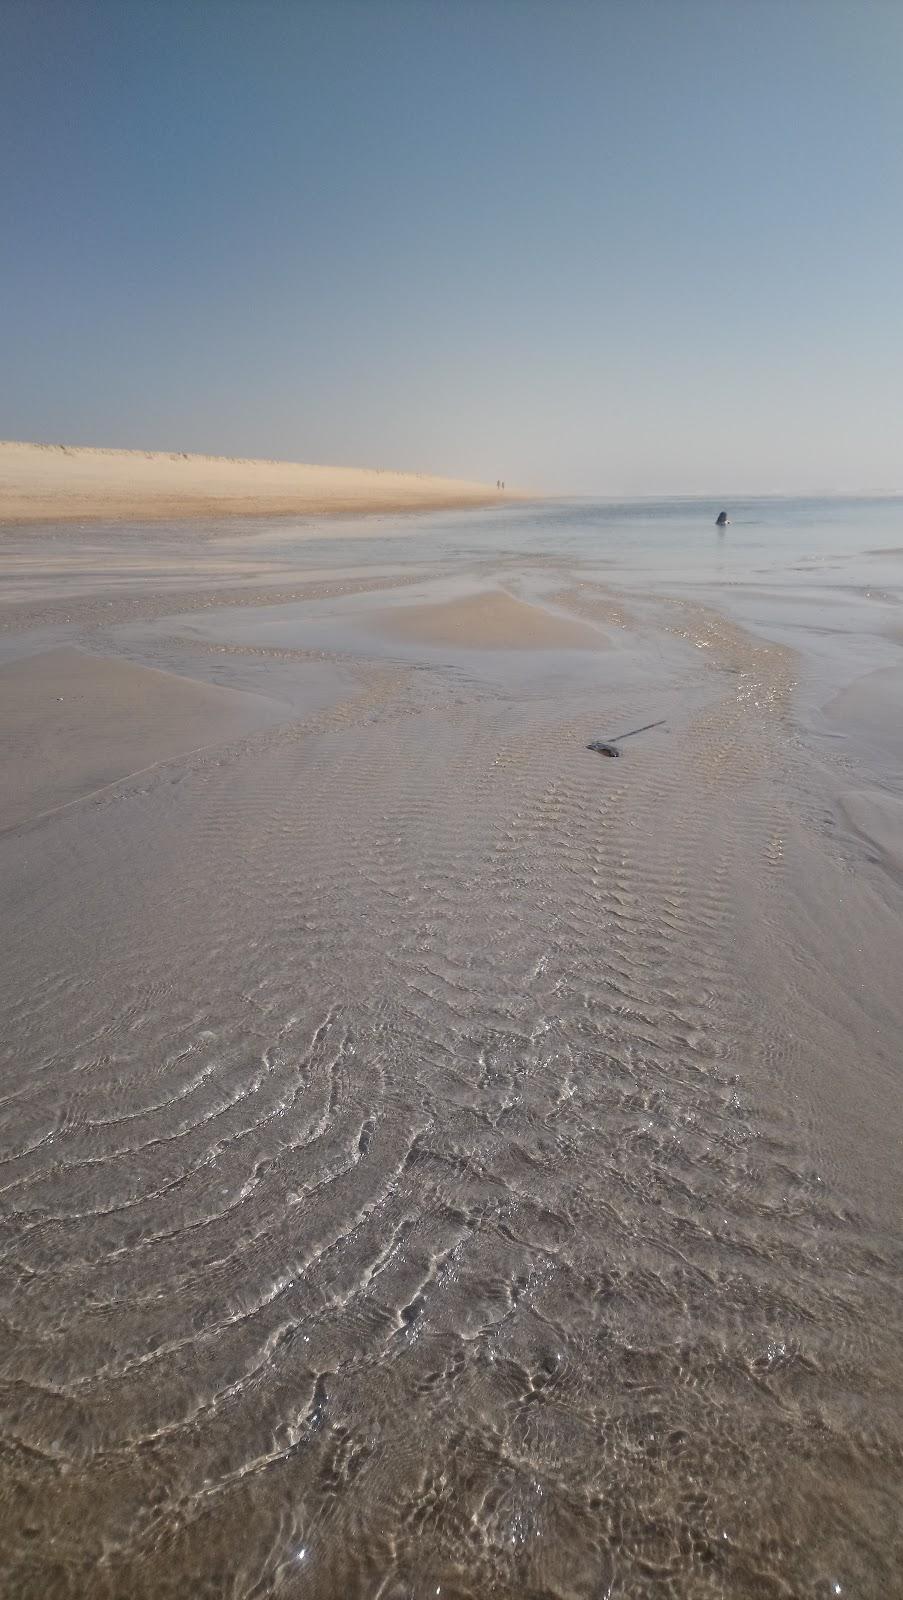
[{"x": 399, "y": 1194}]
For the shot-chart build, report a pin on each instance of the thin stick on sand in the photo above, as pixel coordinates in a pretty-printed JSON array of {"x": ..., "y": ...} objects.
[{"x": 644, "y": 729}]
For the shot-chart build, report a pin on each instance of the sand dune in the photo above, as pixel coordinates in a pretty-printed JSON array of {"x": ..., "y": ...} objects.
[{"x": 40, "y": 482}]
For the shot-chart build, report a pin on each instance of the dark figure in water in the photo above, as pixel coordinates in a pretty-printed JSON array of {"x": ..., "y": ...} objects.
[{"x": 721, "y": 520}]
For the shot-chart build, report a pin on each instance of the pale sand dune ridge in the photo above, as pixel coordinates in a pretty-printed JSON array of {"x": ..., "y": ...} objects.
[{"x": 41, "y": 482}]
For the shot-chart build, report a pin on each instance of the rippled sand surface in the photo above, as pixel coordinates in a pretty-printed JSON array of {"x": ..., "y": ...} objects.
[{"x": 437, "y": 1160}]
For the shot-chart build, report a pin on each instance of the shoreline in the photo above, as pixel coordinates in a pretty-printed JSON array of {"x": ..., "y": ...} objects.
[
  {"x": 42, "y": 483},
  {"x": 324, "y": 913}
]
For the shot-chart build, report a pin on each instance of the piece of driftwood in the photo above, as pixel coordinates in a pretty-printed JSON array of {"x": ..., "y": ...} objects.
[{"x": 609, "y": 747}]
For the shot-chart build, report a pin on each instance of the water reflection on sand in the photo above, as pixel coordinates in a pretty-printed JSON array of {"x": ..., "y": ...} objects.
[{"x": 435, "y": 1159}]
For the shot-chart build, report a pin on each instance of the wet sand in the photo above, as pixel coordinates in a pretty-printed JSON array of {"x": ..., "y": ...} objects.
[
  {"x": 490, "y": 620},
  {"x": 74, "y": 724},
  {"x": 433, "y": 1157}
]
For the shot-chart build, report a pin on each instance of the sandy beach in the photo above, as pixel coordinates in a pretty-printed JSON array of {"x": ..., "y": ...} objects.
[
  {"x": 66, "y": 483},
  {"x": 74, "y": 723},
  {"x": 426, "y": 1144},
  {"x": 492, "y": 620}
]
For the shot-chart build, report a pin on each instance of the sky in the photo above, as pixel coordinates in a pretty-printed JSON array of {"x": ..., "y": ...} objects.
[{"x": 622, "y": 247}]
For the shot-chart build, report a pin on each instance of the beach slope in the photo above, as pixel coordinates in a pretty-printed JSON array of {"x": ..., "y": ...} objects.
[{"x": 47, "y": 482}]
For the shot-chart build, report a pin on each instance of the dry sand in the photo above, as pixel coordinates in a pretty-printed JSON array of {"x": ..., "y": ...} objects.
[{"x": 41, "y": 482}]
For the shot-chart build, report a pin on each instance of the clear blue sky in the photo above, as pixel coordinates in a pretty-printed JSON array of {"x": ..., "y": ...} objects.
[{"x": 627, "y": 246}]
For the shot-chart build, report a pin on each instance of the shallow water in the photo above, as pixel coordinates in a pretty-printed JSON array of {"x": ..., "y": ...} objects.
[{"x": 435, "y": 1159}]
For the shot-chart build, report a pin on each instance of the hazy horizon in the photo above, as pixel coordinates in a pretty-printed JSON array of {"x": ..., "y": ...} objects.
[
  {"x": 629, "y": 251},
  {"x": 736, "y": 496}
]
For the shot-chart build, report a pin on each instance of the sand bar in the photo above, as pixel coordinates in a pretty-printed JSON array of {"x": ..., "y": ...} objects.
[
  {"x": 49, "y": 482},
  {"x": 493, "y": 620},
  {"x": 869, "y": 714},
  {"x": 878, "y": 819},
  {"x": 73, "y": 724}
]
